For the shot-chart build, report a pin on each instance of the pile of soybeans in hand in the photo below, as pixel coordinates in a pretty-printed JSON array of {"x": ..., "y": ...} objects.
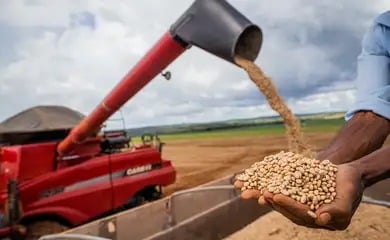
[
  {"x": 294, "y": 173},
  {"x": 306, "y": 180}
]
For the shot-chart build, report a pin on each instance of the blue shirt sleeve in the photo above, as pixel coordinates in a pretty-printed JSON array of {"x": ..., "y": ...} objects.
[{"x": 373, "y": 74}]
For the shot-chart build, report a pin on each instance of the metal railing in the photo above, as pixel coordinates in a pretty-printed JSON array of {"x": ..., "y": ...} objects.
[
  {"x": 170, "y": 204},
  {"x": 71, "y": 236},
  {"x": 376, "y": 202}
]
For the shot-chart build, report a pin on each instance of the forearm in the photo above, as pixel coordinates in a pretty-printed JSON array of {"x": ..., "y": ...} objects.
[
  {"x": 361, "y": 135},
  {"x": 374, "y": 167}
]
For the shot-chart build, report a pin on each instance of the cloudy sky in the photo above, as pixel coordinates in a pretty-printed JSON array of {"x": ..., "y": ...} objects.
[{"x": 73, "y": 52}]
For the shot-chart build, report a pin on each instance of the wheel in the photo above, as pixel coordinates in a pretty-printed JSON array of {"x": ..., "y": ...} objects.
[
  {"x": 135, "y": 201},
  {"x": 146, "y": 195},
  {"x": 153, "y": 193},
  {"x": 37, "y": 229}
]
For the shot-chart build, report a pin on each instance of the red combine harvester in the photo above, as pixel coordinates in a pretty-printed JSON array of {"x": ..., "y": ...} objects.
[
  {"x": 61, "y": 171},
  {"x": 47, "y": 192}
]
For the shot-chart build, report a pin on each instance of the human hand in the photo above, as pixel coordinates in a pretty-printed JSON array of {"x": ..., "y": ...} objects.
[{"x": 334, "y": 216}]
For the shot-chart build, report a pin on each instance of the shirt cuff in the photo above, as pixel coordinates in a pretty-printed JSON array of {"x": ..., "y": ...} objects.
[{"x": 377, "y": 102}]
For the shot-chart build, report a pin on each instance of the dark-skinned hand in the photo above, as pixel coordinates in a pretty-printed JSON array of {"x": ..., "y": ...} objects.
[{"x": 334, "y": 216}]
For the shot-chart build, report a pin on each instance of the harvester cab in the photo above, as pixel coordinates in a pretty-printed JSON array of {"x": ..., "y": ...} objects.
[{"x": 75, "y": 175}]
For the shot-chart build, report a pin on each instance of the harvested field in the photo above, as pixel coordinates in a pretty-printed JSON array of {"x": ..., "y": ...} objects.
[
  {"x": 369, "y": 222},
  {"x": 201, "y": 160}
]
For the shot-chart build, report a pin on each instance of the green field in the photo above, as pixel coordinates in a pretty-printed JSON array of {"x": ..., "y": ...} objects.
[{"x": 315, "y": 125}]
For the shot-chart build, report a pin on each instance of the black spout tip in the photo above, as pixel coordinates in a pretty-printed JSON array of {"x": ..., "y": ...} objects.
[
  {"x": 248, "y": 44},
  {"x": 217, "y": 27}
]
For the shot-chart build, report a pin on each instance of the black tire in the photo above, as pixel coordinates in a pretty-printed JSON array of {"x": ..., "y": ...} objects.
[
  {"x": 153, "y": 193},
  {"x": 37, "y": 229},
  {"x": 136, "y": 201},
  {"x": 147, "y": 195}
]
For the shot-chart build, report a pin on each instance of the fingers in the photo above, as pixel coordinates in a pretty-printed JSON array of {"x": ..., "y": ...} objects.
[
  {"x": 323, "y": 219},
  {"x": 249, "y": 194},
  {"x": 238, "y": 184},
  {"x": 288, "y": 207},
  {"x": 268, "y": 196},
  {"x": 290, "y": 203},
  {"x": 293, "y": 218},
  {"x": 263, "y": 202},
  {"x": 295, "y": 208},
  {"x": 334, "y": 216}
]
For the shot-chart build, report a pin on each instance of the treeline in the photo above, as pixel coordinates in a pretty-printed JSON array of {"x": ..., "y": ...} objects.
[
  {"x": 197, "y": 128},
  {"x": 229, "y": 124}
]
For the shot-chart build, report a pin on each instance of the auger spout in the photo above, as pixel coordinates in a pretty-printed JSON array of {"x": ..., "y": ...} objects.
[{"x": 212, "y": 25}]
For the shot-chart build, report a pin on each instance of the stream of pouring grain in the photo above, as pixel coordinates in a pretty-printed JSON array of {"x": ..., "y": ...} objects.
[{"x": 296, "y": 141}]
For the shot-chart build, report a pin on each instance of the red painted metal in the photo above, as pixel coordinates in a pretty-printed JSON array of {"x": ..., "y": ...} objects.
[
  {"x": 163, "y": 176},
  {"x": 76, "y": 200},
  {"x": 165, "y": 51},
  {"x": 74, "y": 216},
  {"x": 80, "y": 206},
  {"x": 25, "y": 162}
]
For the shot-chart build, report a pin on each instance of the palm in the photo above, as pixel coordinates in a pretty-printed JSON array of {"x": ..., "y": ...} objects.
[
  {"x": 336, "y": 215},
  {"x": 349, "y": 194}
]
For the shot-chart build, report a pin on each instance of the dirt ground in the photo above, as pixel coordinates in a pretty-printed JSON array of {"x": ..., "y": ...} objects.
[
  {"x": 369, "y": 222},
  {"x": 202, "y": 160}
]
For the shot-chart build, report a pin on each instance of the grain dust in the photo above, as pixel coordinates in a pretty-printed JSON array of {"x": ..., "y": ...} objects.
[{"x": 296, "y": 141}]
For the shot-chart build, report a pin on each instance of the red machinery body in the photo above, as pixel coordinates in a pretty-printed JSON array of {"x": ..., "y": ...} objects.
[{"x": 82, "y": 188}]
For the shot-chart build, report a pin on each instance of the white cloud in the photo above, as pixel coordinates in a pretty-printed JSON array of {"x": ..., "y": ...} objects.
[
  {"x": 324, "y": 102},
  {"x": 23, "y": 13},
  {"x": 73, "y": 52}
]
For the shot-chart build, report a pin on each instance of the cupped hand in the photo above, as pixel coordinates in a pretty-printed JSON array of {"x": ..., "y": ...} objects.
[
  {"x": 334, "y": 216},
  {"x": 288, "y": 207}
]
